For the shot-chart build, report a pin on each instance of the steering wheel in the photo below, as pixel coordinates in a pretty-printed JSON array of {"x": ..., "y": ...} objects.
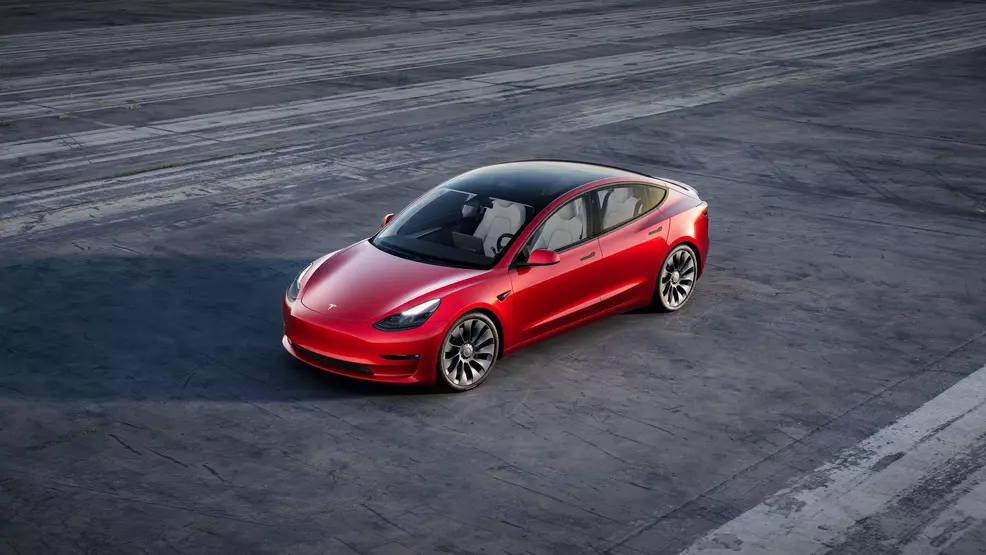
[{"x": 499, "y": 241}]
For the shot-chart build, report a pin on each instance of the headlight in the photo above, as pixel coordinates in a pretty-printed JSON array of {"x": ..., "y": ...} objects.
[
  {"x": 410, "y": 318},
  {"x": 295, "y": 286}
]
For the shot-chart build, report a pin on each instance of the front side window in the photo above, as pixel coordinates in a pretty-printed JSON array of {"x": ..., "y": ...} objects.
[
  {"x": 622, "y": 203},
  {"x": 457, "y": 228},
  {"x": 568, "y": 226}
]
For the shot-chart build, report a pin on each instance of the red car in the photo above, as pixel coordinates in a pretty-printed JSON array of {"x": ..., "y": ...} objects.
[{"x": 493, "y": 260}]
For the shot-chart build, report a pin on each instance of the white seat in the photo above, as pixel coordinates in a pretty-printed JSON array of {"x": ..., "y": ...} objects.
[
  {"x": 620, "y": 207},
  {"x": 502, "y": 217},
  {"x": 564, "y": 227}
]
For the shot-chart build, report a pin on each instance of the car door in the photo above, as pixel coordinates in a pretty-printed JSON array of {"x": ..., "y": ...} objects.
[
  {"x": 633, "y": 238},
  {"x": 546, "y": 298}
]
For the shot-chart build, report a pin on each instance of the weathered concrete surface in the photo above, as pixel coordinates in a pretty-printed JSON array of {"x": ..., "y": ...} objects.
[
  {"x": 917, "y": 486},
  {"x": 146, "y": 238}
]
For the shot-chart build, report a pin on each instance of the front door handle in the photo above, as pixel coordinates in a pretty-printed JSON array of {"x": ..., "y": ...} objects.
[
  {"x": 658, "y": 230},
  {"x": 588, "y": 256}
]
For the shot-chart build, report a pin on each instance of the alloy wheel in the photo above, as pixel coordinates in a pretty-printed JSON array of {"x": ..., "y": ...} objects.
[
  {"x": 677, "y": 278},
  {"x": 468, "y": 352}
]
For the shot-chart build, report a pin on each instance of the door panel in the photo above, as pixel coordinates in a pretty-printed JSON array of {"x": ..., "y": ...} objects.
[
  {"x": 633, "y": 245},
  {"x": 632, "y": 256},
  {"x": 548, "y": 297}
]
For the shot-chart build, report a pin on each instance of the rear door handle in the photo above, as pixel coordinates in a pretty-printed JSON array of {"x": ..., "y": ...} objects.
[
  {"x": 658, "y": 230},
  {"x": 588, "y": 256}
]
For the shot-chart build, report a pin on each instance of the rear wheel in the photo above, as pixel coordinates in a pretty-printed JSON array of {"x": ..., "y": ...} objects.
[
  {"x": 676, "y": 279},
  {"x": 468, "y": 352}
]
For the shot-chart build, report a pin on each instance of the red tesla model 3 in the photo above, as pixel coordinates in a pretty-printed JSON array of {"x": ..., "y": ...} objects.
[{"x": 490, "y": 261}]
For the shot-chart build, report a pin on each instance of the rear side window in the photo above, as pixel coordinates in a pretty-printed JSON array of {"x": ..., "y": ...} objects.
[
  {"x": 655, "y": 196},
  {"x": 622, "y": 203}
]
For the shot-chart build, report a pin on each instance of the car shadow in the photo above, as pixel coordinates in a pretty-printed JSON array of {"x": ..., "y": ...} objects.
[{"x": 144, "y": 327}]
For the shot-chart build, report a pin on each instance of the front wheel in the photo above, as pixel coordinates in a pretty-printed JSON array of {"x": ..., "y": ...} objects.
[
  {"x": 468, "y": 352},
  {"x": 676, "y": 280}
]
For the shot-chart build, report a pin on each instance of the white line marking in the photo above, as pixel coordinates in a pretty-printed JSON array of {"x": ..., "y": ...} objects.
[
  {"x": 24, "y": 47},
  {"x": 901, "y": 24},
  {"x": 96, "y": 202},
  {"x": 349, "y": 52},
  {"x": 645, "y": 22},
  {"x": 818, "y": 510},
  {"x": 969, "y": 511},
  {"x": 279, "y": 72},
  {"x": 689, "y": 77}
]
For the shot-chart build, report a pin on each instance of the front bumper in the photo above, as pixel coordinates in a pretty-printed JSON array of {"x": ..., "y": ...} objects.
[{"x": 358, "y": 350}]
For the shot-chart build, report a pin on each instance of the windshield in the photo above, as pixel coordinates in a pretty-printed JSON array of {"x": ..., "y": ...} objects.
[{"x": 448, "y": 226}]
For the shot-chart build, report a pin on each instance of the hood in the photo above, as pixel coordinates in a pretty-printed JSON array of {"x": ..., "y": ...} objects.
[{"x": 363, "y": 283}]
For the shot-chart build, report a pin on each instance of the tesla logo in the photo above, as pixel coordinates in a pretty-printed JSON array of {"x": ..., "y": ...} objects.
[{"x": 331, "y": 306}]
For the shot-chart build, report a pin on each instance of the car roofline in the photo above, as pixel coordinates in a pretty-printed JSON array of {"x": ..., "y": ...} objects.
[{"x": 681, "y": 187}]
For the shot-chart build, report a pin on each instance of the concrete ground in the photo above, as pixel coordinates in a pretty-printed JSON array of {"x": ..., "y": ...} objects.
[{"x": 167, "y": 167}]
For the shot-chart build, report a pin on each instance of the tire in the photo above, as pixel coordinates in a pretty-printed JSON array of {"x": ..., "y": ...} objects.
[
  {"x": 676, "y": 280},
  {"x": 468, "y": 352}
]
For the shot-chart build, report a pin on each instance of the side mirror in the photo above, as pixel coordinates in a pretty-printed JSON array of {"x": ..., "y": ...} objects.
[
  {"x": 542, "y": 257},
  {"x": 386, "y": 219}
]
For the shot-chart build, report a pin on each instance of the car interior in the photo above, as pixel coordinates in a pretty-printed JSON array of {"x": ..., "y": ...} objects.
[
  {"x": 472, "y": 228},
  {"x": 564, "y": 227},
  {"x": 621, "y": 204},
  {"x": 455, "y": 223},
  {"x": 570, "y": 224},
  {"x": 500, "y": 221}
]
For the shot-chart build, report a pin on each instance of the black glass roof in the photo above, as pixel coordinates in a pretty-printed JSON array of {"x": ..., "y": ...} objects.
[{"x": 533, "y": 182}]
